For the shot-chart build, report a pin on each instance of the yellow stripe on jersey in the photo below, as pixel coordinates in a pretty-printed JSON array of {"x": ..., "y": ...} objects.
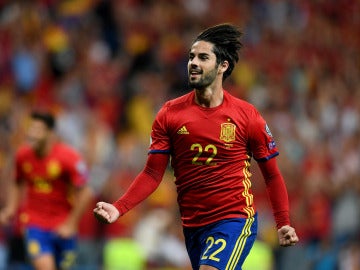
[
  {"x": 249, "y": 198},
  {"x": 240, "y": 244}
]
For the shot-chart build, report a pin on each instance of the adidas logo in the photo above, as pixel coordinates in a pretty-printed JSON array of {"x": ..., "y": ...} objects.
[{"x": 183, "y": 130}]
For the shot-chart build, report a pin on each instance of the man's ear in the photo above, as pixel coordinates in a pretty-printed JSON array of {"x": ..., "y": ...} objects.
[{"x": 223, "y": 66}]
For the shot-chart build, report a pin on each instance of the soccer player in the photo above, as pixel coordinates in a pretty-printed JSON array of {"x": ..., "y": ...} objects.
[
  {"x": 211, "y": 138},
  {"x": 54, "y": 177}
]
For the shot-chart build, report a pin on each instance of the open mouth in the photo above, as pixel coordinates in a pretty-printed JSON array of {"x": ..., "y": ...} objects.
[{"x": 194, "y": 73}]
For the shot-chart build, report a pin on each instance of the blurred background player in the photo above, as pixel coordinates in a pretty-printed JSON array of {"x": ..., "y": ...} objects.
[{"x": 53, "y": 177}]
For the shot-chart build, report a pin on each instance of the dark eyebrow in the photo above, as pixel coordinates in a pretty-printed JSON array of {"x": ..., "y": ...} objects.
[
  {"x": 200, "y": 54},
  {"x": 204, "y": 54}
]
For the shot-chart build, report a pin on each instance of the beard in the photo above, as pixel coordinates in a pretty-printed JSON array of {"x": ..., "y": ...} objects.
[{"x": 204, "y": 81}]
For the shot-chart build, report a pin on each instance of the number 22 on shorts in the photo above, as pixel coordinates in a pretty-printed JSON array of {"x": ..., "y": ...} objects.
[{"x": 214, "y": 247}]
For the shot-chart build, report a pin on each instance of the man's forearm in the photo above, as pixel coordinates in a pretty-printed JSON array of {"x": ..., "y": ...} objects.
[
  {"x": 83, "y": 198},
  {"x": 277, "y": 192}
]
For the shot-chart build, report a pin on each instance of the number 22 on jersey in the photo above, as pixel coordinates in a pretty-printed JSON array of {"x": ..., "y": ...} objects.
[{"x": 209, "y": 151}]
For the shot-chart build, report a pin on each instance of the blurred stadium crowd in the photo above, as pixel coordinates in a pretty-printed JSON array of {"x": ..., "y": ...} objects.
[{"x": 105, "y": 67}]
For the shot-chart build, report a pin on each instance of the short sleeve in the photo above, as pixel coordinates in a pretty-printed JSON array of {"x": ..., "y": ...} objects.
[
  {"x": 160, "y": 140},
  {"x": 77, "y": 169},
  {"x": 261, "y": 142}
]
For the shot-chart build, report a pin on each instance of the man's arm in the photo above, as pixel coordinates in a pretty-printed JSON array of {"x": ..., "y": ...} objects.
[
  {"x": 278, "y": 196},
  {"x": 13, "y": 188},
  {"x": 142, "y": 187},
  {"x": 83, "y": 196},
  {"x": 13, "y": 198}
]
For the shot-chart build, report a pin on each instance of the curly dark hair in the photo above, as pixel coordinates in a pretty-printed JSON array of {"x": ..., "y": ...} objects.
[
  {"x": 47, "y": 118},
  {"x": 227, "y": 44}
]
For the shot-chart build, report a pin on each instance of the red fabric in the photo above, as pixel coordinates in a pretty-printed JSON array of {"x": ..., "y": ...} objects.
[
  {"x": 211, "y": 149},
  {"x": 277, "y": 192},
  {"x": 144, "y": 184},
  {"x": 211, "y": 161},
  {"x": 50, "y": 181}
]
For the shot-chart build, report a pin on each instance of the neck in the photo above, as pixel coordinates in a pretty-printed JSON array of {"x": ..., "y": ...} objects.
[
  {"x": 44, "y": 149},
  {"x": 209, "y": 97}
]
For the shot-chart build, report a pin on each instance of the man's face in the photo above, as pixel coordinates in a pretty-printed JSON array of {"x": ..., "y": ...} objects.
[
  {"x": 37, "y": 134},
  {"x": 202, "y": 67}
]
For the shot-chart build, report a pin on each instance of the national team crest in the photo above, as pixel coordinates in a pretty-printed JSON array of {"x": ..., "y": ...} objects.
[
  {"x": 53, "y": 169},
  {"x": 227, "y": 133}
]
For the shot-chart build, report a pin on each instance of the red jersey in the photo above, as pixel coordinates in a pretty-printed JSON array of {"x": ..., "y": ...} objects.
[
  {"x": 50, "y": 181},
  {"x": 211, "y": 149}
]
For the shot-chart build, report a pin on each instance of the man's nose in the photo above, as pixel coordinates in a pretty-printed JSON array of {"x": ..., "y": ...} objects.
[{"x": 193, "y": 63}]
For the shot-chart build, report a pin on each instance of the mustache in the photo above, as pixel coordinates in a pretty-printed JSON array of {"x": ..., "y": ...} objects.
[{"x": 195, "y": 70}]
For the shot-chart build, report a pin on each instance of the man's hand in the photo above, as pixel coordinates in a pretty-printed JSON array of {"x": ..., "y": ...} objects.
[
  {"x": 6, "y": 215},
  {"x": 106, "y": 212},
  {"x": 66, "y": 230},
  {"x": 287, "y": 236}
]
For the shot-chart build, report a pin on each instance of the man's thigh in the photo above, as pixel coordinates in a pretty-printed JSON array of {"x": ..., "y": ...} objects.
[
  {"x": 43, "y": 246},
  {"x": 223, "y": 245}
]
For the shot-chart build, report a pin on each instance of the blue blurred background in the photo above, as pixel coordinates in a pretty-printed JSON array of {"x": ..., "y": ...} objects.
[{"x": 105, "y": 67}]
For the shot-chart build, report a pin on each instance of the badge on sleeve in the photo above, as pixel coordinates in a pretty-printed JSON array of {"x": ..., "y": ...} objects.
[
  {"x": 268, "y": 130},
  {"x": 271, "y": 144}
]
